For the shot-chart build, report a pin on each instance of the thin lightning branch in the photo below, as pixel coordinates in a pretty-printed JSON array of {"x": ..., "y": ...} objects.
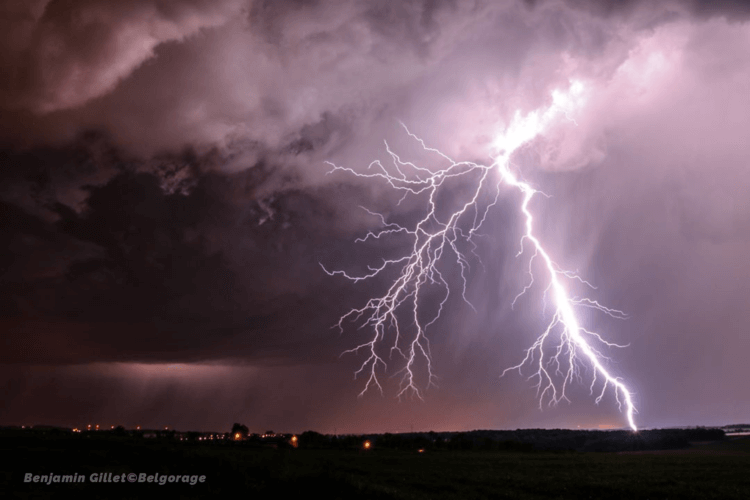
[{"x": 557, "y": 353}]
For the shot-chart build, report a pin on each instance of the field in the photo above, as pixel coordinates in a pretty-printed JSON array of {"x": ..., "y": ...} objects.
[{"x": 704, "y": 470}]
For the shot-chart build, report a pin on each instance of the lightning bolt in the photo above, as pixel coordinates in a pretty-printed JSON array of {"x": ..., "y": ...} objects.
[{"x": 558, "y": 353}]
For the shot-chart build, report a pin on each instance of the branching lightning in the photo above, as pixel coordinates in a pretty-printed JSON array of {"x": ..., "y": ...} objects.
[{"x": 558, "y": 353}]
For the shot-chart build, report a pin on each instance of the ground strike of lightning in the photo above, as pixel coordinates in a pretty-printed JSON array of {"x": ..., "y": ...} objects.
[{"x": 559, "y": 350}]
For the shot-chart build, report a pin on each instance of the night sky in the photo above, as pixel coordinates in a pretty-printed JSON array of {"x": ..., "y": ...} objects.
[{"x": 165, "y": 207}]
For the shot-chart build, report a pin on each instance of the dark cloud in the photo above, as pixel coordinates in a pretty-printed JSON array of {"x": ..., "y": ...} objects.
[
  {"x": 165, "y": 200},
  {"x": 143, "y": 270}
]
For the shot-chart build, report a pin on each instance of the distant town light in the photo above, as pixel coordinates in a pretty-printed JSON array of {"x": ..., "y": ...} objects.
[
  {"x": 237, "y": 436},
  {"x": 367, "y": 445}
]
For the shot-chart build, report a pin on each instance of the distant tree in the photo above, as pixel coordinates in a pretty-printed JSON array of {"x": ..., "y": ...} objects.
[
  {"x": 312, "y": 439},
  {"x": 239, "y": 428}
]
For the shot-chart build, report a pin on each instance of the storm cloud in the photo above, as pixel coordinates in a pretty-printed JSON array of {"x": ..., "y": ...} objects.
[{"x": 165, "y": 202}]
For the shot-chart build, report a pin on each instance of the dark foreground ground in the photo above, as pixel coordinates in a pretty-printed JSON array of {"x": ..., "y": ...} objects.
[{"x": 719, "y": 469}]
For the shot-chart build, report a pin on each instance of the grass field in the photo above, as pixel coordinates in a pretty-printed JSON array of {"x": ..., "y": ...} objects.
[{"x": 718, "y": 470}]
